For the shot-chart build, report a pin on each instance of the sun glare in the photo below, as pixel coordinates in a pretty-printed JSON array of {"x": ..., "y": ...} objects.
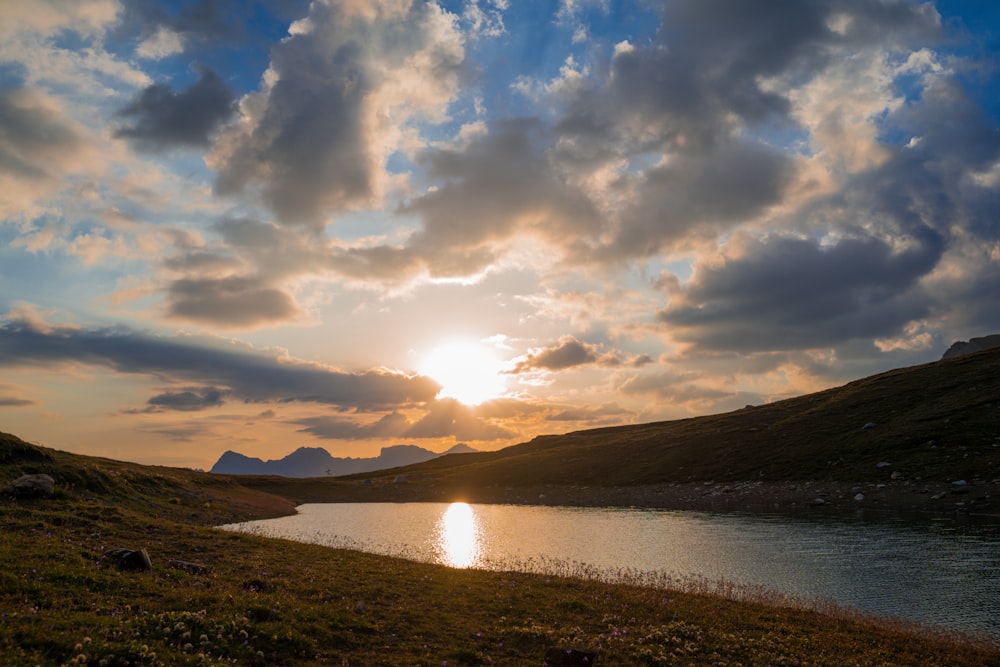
[
  {"x": 458, "y": 536},
  {"x": 467, "y": 372}
]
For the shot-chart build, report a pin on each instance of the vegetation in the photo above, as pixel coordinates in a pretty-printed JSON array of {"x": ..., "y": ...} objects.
[{"x": 269, "y": 602}]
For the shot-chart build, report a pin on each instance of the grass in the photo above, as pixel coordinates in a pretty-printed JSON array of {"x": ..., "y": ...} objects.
[{"x": 271, "y": 602}]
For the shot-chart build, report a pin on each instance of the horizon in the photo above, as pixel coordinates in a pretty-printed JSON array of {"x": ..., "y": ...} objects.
[{"x": 280, "y": 224}]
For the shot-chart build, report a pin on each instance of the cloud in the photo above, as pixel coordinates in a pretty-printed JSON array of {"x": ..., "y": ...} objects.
[
  {"x": 609, "y": 413},
  {"x": 782, "y": 293},
  {"x": 448, "y": 417},
  {"x": 444, "y": 418},
  {"x": 231, "y": 302},
  {"x": 163, "y": 119},
  {"x": 12, "y": 402},
  {"x": 189, "y": 400},
  {"x": 49, "y": 17},
  {"x": 727, "y": 185},
  {"x": 246, "y": 374},
  {"x": 38, "y": 145},
  {"x": 338, "y": 94},
  {"x": 500, "y": 184},
  {"x": 334, "y": 428},
  {"x": 244, "y": 278},
  {"x": 570, "y": 353}
]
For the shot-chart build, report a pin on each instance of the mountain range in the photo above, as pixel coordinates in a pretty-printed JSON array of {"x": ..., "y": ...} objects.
[{"x": 317, "y": 462}]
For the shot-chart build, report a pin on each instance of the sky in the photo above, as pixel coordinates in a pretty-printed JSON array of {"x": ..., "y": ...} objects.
[{"x": 349, "y": 224}]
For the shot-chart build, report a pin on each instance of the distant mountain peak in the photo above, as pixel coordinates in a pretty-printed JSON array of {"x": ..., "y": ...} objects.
[{"x": 318, "y": 462}]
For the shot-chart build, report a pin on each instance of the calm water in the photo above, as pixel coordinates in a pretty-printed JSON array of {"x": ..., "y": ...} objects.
[{"x": 939, "y": 572}]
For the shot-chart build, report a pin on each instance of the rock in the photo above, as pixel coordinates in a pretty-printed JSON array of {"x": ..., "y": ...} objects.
[
  {"x": 193, "y": 568},
  {"x": 400, "y": 479},
  {"x": 882, "y": 464},
  {"x": 895, "y": 475},
  {"x": 959, "y": 483},
  {"x": 973, "y": 345},
  {"x": 869, "y": 425},
  {"x": 30, "y": 486},
  {"x": 819, "y": 501},
  {"x": 859, "y": 497},
  {"x": 129, "y": 560},
  {"x": 560, "y": 657}
]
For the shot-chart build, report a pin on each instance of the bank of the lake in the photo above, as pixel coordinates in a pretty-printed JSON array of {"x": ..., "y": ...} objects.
[
  {"x": 956, "y": 498},
  {"x": 272, "y": 602},
  {"x": 938, "y": 571}
]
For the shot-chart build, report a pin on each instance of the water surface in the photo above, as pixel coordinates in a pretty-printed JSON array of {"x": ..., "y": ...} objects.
[{"x": 939, "y": 572}]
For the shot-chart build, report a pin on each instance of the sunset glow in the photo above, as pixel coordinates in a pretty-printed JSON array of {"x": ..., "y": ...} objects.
[
  {"x": 269, "y": 225},
  {"x": 467, "y": 372}
]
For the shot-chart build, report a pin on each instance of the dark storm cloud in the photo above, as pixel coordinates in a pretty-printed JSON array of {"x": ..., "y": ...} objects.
[
  {"x": 33, "y": 138},
  {"x": 786, "y": 293},
  {"x": 161, "y": 118},
  {"x": 231, "y": 302},
  {"x": 245, "y": 374}
]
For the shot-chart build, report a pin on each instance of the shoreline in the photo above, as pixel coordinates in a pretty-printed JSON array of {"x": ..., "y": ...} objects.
[{"x": 974, "y": 499}]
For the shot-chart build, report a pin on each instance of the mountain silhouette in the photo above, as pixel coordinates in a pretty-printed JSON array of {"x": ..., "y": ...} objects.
[{"x": 318, "y": 462}]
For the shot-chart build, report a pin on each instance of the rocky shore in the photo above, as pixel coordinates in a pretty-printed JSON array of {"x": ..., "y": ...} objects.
[{"x": 959, "y": 497}]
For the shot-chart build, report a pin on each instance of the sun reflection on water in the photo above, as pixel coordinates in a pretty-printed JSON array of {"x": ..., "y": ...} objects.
[{"x": 458, "y": 538}]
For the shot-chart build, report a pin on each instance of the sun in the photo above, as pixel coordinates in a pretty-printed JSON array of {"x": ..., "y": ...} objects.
[{"x": 468, "y": 372}]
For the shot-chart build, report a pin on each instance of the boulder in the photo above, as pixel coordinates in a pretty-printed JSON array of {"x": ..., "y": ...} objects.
[
  {"x": 30, "y": 486},
  {"x": 128, "y": 560}
]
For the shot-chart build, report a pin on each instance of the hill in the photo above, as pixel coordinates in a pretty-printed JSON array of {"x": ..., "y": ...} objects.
[
  {"x": 901, "y": 438},
  {"x": 316, "y": 462}
]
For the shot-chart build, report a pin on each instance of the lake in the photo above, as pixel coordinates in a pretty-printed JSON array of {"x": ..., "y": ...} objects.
[{"x": 943, "y": 572}]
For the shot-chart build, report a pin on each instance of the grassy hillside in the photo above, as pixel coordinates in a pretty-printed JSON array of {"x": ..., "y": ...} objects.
[
  {"x": 172, "y": 493},
  {"x": 933, "y": 424},
  {"x": 254, "y": 601}
]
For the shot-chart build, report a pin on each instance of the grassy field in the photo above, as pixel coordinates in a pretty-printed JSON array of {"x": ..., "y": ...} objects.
[{"x": 268, "y": 602}]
